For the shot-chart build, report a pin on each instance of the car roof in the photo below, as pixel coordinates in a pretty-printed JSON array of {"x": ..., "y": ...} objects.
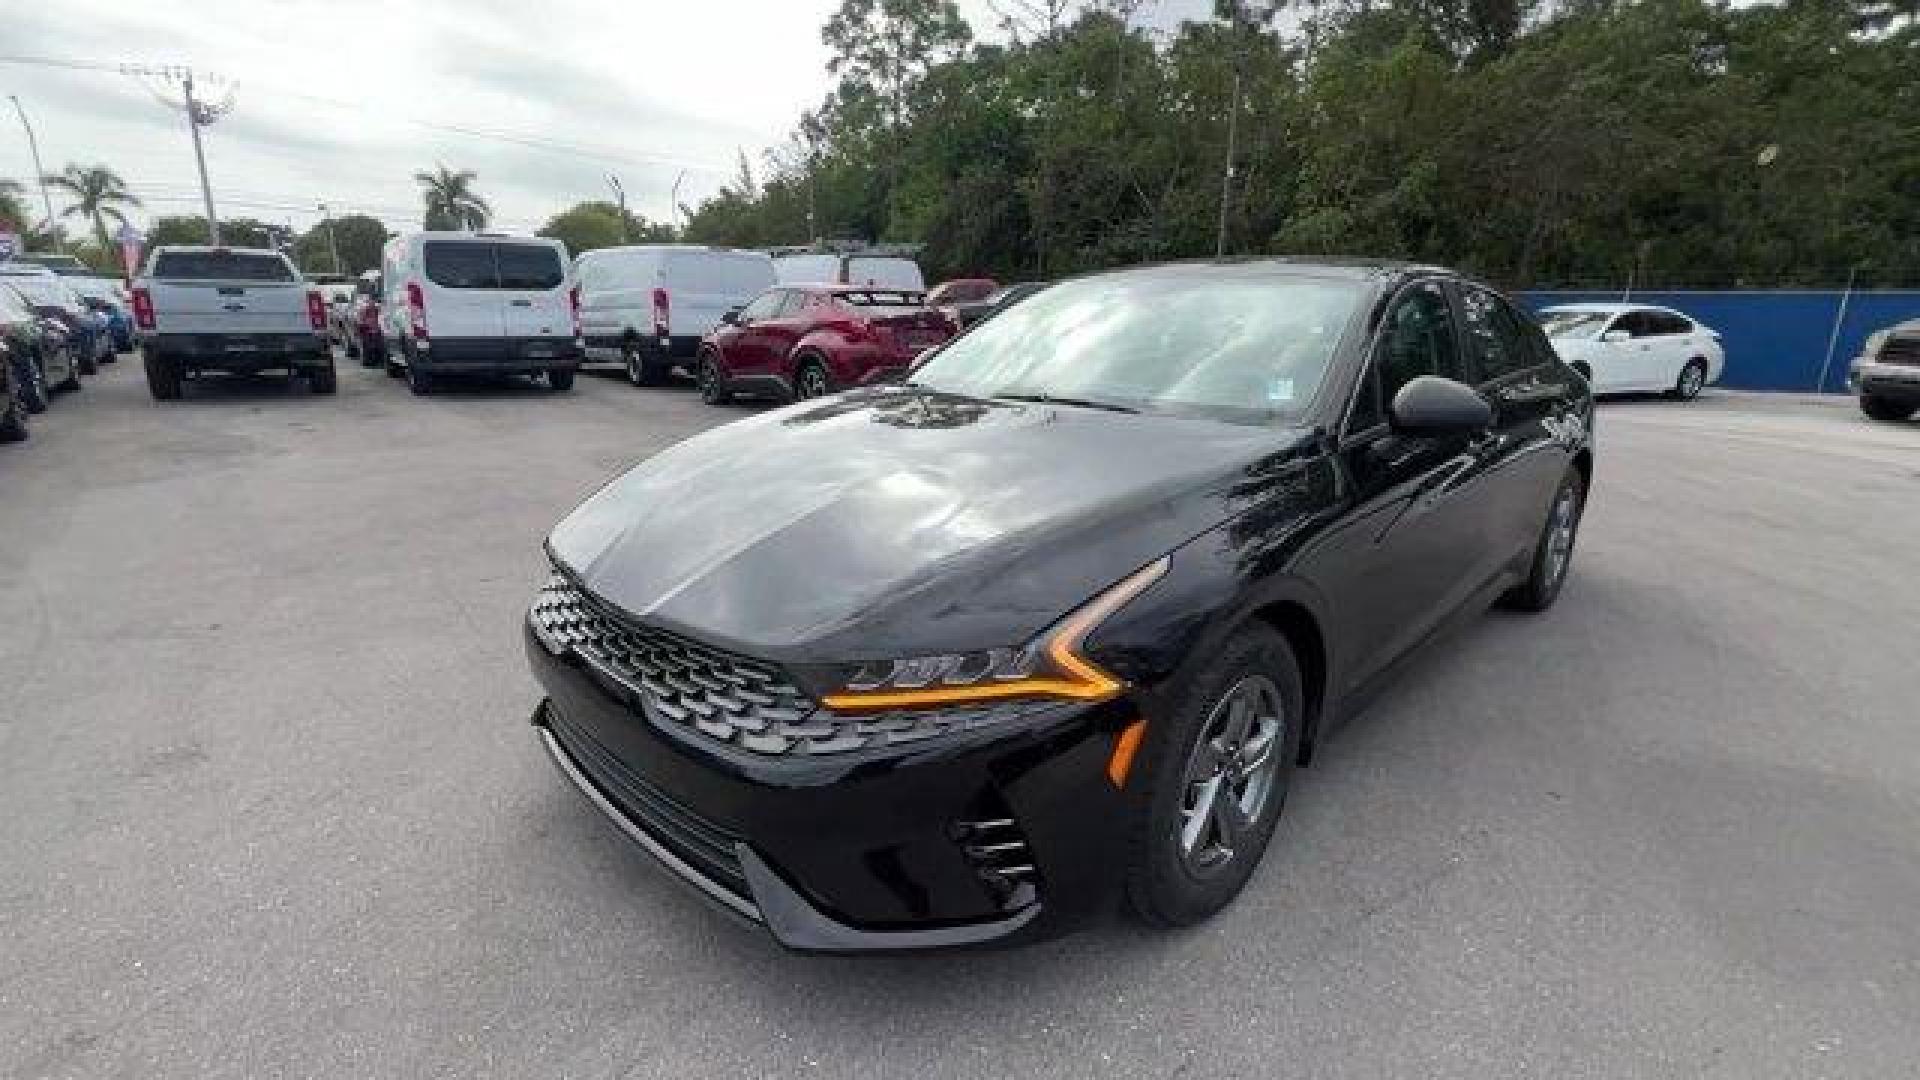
[
  {"x": 216, "y": 247},
  {"x": 1611, "y": 308},
  {"x": 21, "y": 269}
]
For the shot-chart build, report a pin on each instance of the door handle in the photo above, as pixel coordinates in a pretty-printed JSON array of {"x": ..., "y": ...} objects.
[
  {"x": 1531, "y": 392},
  {"x": 521, "y": 303}
]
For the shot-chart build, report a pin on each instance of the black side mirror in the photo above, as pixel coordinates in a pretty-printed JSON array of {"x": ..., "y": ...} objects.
[
  {"x": 1430, "y": 406},
  {"x": 732, "y": 317}
]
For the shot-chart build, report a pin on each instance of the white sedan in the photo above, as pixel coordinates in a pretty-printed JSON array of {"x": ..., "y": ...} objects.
[{"x": 1636, "y": 348}]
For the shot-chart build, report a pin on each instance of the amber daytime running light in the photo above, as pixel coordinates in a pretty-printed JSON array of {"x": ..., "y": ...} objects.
[{"x": 1051, "y": 667}]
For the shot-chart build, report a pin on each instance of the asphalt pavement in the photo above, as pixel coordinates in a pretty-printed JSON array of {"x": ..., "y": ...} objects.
[{"x": 270, "y": 805}]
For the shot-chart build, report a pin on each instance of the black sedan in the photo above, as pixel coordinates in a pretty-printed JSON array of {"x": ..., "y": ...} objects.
[{"x": 964, "y": 659}]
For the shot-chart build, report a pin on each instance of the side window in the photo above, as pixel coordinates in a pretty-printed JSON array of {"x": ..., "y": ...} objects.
[
  {"x": 791, "y": 306},
  {"x": 1416, "y": 338},
  {"x": 1494, "y": 336},
  {"x": 1666, "y": 322},
  {"x": 1634, "y": 323}
]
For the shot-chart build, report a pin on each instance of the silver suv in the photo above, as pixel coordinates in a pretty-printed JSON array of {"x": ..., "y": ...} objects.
[{"x": 1886, "y": 374}]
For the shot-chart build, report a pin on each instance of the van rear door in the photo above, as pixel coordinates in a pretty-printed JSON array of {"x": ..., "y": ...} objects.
[
  {"x": 533, "y": 293},
  {"x": 462, "y": 286}
]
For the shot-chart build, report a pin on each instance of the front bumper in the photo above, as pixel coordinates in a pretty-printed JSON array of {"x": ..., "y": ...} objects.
[
  {"x": 858, "y": 852},
  {"x": 1892, "y": 382}
]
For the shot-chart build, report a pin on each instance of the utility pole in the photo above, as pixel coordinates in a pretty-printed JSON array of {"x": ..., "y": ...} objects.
[
  {"x": 1226, "y": 172},
  {"x": 200, "y": 113},
  {"x": 676, "y": 202},
  {"x": 333, "y": 244},
  {"x": 39, "y": 173},
  {"x": 620, "y": 196}
]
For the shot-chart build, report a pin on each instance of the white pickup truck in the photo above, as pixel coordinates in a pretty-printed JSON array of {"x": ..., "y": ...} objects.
[{"x": 240, "y": 310}]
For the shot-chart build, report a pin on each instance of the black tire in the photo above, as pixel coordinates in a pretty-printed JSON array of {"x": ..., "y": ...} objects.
[
  {"x": 712, "y": 382},
  {"x": 1692, "y": 379},
  {"x": 394, "y": 368},
  {"x": 323, "y": 380},
  {"x": 1553, "y": 553},
  {"x": 419, "y": 381},
  {"x": 163, "y": 377},
  {"x": 13, "y": 415},
  {"x": 72, "y": 381},
  {"x": 31, "y": 380},
  {"x": 1891, "y": 412},
  {"x": 641, "y": 370},
  {"x": 1170, "y": 882},
  {"x": 85, "y": 365},
  {"x": 560, "y": 380},
  {"x": 811, "y": 380}
]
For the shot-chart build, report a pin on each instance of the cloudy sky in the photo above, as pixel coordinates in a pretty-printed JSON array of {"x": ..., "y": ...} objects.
[{"x": 340, "y": 101}]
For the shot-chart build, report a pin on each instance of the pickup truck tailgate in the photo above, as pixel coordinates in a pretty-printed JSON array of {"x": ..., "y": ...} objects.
[{"x": 229, "y": 307}]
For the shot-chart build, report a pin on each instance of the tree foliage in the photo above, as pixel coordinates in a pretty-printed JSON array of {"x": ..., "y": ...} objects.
[
  {"x": 598, "y": 224},
  {"x": 98, "y": 196},
  {"x": 234, "y": 231},
  {"x": 449, "y": 201},
  {"x": 1680, "y": 142},
  {"x": 359, "y": 239}
]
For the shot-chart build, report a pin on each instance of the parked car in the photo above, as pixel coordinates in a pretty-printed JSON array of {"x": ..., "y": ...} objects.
[
  {"x": 339, "y": 298},
  {"x": 1637, "y": 348},
  {"x": 364, "y": 339},
  {"x": 478, "y": 303},
  {"x": 53, "y": 298},
  {"x": 958, "y": 660},
  {"x": 967, "y": 314},
  {"x": 649, "y": 306},
  {"x": 106, "y": 298},
  {"x": 812, "y": 268},
  {"x": 962, "y": 291},
  {"x": 234, "y": 310},
  {"x": 1886, "y": 374},
  {"x": 805, "y": 342},
  {"x": 13, "y": 400},
  {"x": 37, "y": 350},
  {"x": 63, "y": 265}
]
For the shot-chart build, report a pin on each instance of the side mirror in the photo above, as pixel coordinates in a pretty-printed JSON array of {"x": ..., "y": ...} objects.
[
  {"x": 731, "y": 318},
  {"x": 1616, "y": 336},
  {"x": 1432, "y": 406}
]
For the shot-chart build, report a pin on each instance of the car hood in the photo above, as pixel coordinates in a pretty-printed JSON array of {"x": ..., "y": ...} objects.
[{"x": 899, "y": 521}]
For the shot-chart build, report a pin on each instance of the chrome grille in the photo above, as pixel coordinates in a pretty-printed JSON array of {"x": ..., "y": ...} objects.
[{"x": 726, "y": 697}]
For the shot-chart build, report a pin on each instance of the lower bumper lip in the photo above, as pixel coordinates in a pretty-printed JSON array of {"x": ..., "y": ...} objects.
[{"x": 790, "y": 918}]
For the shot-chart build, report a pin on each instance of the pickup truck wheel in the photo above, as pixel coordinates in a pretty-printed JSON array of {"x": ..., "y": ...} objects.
[
  {"x": 323, "y": 380},
  {"x": 163, "y": 377},
  {"x": 560, "y": 380}
]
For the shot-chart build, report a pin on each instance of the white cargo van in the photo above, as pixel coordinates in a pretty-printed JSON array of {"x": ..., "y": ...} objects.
[
  {"x": 882, "y": 271},
  {"x": 647, "y": 306},
  {"x": 469, "y": 303}
]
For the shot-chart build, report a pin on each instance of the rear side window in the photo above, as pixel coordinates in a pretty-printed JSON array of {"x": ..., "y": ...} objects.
[
  {"x": 221, "y": 266},
  {"x": 464, "y": 265},
  {"x": 876, "y": 298},
  {"x": 1665, "y": 322},
  {"x": 1495, "y": 340}
]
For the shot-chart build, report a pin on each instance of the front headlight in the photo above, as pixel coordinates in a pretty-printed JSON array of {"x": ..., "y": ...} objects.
[{"x": 1052, "y": 665}]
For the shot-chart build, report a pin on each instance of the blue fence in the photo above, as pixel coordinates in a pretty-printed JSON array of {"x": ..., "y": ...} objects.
[{"x": 1775, "y": 339}]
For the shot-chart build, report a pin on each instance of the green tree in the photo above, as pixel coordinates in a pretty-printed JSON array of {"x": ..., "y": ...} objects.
[
  {"x": 450, "y": 201},
  {"x": 360, "y": 240},
  {"x": 13, "y": 207},
  {"x": 598, "y": 224},
  {"x": 98, "y": 196},
  {"x": 235, "y": 232}
]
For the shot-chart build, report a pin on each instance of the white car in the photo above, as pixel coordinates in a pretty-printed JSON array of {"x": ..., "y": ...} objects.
[
  {"x": 649, "y": 305},
  {"x": 1636, "y": 348}
]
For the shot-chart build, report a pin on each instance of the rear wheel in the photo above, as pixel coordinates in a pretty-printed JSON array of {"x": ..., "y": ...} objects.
[
  {"x": 419, "y": 381},
  {"x": 323, "y": 380},
  {"x": 13, "y": 414},
  {"x": 1553, "y": 555},
  {"x": 711, "y": 380},
  {"x": 1882, "y": 409},
  {"x": 812, "y": 380},
  {"x": 560, "y": 380},
  {"x": 1693, "y": 378},
  {"x": 163, "y": 377},
  {"x": 30, "y": 379},
  {"x": 85, "y": 365},
  {"x": 642, "y": 371},
  {"x": 1212, "y": 779},
  {"x": 72, "y": 381}
]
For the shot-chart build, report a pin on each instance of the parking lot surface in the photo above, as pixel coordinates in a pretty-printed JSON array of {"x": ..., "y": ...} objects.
[{"x": 270, "y": 806}]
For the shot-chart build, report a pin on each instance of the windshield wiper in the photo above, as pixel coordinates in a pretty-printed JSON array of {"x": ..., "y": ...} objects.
[{"x": 1054, "y": 399}]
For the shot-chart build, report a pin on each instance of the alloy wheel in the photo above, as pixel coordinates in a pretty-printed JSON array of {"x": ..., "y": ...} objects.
[
  {"x": 1231, "y": 774},
  {"x": 813, "y": 382},
  {"x": 1560, "y": 532},
  {"x": 636, "y": 374},
  {"x": 1692, "y": 381}
]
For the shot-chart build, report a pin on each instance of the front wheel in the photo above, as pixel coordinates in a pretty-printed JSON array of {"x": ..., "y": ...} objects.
[
  {"x": 1207, "y": 792},
  {"x": 811, "y": 381},
  {"x": 13, "y": 416},
  {"x": 1693, "y": 378},
  {"x": 712, "y": 382},
  {"x": 1881, "y": 409},
  {"x": 31, "y": 379},
  {"x": 1553, "y": 554},
  {"x": 85, "y": 365}
]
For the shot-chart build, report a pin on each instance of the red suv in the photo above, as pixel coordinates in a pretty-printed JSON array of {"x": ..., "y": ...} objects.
[{"x": 802, "y": 341}]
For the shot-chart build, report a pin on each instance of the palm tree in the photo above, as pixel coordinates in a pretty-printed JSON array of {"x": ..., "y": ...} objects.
[
  {"x": 98, "y": 194},
  {"x": 13, "y": 212},
  {"x": 450, "y": 199}
]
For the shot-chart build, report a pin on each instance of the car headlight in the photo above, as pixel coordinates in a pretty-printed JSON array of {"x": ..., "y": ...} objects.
[{"x": 1052, "y": 665}]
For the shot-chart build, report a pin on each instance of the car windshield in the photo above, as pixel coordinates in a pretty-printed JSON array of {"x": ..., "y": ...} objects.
[
  {"x": 1232, "y": 346},
  {"x": 221, "y": 265},
  {"x": 1574, "y": 323},
  {"x": 882, "y": 302}
]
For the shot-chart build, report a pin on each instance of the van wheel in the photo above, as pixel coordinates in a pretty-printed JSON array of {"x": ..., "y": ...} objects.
[
  {"x": 812, "y": 380},
  {"x": 560, "y": 380},
  {"x": 419, "y": 381},
  {"x": 712, "y": 383},
  {"x": 163, "y": 377},
  {"x": 323, "y": 380},
  {"x": 640, "y": 370}
]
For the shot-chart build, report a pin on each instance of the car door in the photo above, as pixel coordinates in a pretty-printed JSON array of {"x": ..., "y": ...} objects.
[
  {"x": 1525, "y": 459},
  {"x": 785, "y": 329},
  {"x": 747, "y": 351},
  {"x": 1413, "y": 531},
  {"x": 533, "y": 292},
  {"x": 1675, "y": 343}
]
